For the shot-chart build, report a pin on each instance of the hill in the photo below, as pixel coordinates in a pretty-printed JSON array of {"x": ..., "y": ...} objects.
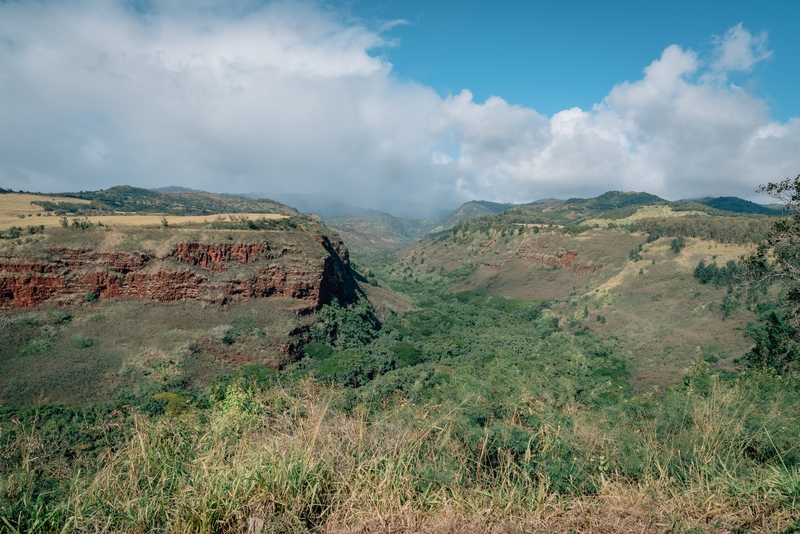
[
  {"x": 468, "y": 210},
  {"x": 127, "y": 199},
  {"x": 739, "y": 205},
  {"x": 375, "y": 231},
  {"x": 178, "y": 189},
  {"x": 90, "y": 312},
  {"x": 624, "y": 277}
]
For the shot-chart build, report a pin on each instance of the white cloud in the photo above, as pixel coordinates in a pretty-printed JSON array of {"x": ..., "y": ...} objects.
[
  {"x": 288, "y": 97},
  {"x": 739, "y": 49},
  {"x": 675, "y": 133}
]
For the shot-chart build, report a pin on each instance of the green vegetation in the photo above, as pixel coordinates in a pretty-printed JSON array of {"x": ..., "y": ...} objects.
[
  {"x": 15, "y": 232},
  {"x": 726, "y": 275},
  {"x": 738, "y": 205},
  {"x": 129, "y": 199},
  {"x": 677, "y": 244},
  {"x": 741, "y": 230},
  {"x": 472, "y": 411}
]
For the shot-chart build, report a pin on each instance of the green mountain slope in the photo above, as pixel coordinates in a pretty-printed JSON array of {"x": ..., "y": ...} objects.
[
  {"x": 129, "y": 199},
  {"x": 468, "y": 210},
  {"x": 739, "y": 205}
]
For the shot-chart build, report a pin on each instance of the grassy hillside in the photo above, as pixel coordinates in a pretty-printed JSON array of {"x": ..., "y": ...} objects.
[
  {"x": 650, "y": 303},
  {"x": 81, "y": 348},
  {"x": 472, "y": 412},
  {"x": 127, "y": 199}
]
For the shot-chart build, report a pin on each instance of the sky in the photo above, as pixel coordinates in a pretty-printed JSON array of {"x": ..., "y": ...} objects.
[{"x": 424, "y": 103}]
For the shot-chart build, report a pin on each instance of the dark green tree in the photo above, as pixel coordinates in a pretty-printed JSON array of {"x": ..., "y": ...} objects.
[{"x": 777, "y": 261}]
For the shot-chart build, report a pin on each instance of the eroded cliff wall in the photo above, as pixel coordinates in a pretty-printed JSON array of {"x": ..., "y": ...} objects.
[{"x": 179, "y": 266}]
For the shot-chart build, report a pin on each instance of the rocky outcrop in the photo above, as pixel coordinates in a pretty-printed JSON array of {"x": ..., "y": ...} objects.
[
  {"x": 211, "y": 272},
  {"x": 559, "y": 259}
]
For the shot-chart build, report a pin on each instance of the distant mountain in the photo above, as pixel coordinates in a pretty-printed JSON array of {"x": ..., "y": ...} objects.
[
  {"x": 468, "y": 210},
  {"x": 374, "y": 231},
  {"x": 740, "y": 205},
  {"x": 613, "y": 200},
  {"x": 327, "y": 205},
  {"x": 321, "y": 204},
  {"x": 371, "y": 231}
]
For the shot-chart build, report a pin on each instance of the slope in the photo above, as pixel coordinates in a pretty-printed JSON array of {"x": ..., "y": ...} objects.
[
  {"x": 620, "y": 282},
  {"x": 92, "y": 312}
]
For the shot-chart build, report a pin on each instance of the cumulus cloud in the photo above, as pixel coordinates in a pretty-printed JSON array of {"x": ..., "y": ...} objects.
[
  {"x": 676, "y": 132},
  {"x": 289, "y": 97},
  {"x": 739, "y": 49}
]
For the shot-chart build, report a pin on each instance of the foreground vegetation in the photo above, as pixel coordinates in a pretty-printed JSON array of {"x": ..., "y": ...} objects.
[{"x": 304, "y": 456}]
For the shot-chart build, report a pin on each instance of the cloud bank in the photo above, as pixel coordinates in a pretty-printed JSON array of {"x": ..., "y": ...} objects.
[{"x": 291, "y": 97}]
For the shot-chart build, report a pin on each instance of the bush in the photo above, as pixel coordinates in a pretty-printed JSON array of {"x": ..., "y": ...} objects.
[
  {"x": 677, "y": 244},
  {"x": 81, "y": 342}
]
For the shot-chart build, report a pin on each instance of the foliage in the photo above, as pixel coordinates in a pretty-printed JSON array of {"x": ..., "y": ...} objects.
[
  {"x": 307, "y": 457},
  {"x": 81, "y": 342},
  {"x": 727, "y": 275},
  {"x": 348, "y": 326},
  {"x": 677, "y": 244},
  {"x": 243, "y": 222},
  {"x": 15, "y": 232},
  {"x": 741, "y": 230},
  {"x": 777, "y": 260}
]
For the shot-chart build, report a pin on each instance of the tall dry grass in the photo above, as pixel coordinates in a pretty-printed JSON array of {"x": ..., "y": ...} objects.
[{"x": 300, "y": 460}]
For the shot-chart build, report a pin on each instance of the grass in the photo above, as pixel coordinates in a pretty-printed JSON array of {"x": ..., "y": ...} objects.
[
  {"x": 125, "y": 220},
  {"x": 109, "y": 347},
  {"x": 644, "y": 212},
  {"x": 14, "y": 205},
  {"x": 297, "y": 459}
]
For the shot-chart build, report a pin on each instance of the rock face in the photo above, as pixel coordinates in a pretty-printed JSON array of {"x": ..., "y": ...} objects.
[
  {"x": 560, "y": 258},
  {"x": 314, "y": 271}
]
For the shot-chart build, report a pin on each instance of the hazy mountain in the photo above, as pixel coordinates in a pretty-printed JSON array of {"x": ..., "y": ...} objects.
[
  {"x": 739, "y": 205},
  {"x": 373, "y": 231},
  {"x": 177, "y": 189}
]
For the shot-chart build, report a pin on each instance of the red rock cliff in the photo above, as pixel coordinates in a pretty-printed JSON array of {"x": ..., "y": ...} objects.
[{"x": 210, "y": 272}]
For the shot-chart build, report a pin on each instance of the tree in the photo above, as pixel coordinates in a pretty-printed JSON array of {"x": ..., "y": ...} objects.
[{"x": 777, "y": 261}]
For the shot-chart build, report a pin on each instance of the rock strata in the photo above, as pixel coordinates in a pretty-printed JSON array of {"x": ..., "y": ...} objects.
[{"x": 210, "y": 272}]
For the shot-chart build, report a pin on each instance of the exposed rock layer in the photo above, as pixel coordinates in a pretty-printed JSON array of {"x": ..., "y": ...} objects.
[{"x": 210, "y": 272}]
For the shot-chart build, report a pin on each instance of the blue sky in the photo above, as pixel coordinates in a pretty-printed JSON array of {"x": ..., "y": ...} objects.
[
  {"x": 424, "y": 104},
  {"x": 555, "y": 55}
]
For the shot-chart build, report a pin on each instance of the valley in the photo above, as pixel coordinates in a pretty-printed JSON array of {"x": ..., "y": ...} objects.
[{"x": 528, "y": 360}]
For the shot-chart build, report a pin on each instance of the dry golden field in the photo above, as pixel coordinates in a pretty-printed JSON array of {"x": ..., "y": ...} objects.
[
  {"x": 16, "y": 210},
  {"x": 645, "y": 212}
]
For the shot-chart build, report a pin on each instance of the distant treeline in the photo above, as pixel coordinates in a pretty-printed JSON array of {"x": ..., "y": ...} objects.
[
  {"x": 739, "y": 230},
  {"x": 129, "y": 199}
]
